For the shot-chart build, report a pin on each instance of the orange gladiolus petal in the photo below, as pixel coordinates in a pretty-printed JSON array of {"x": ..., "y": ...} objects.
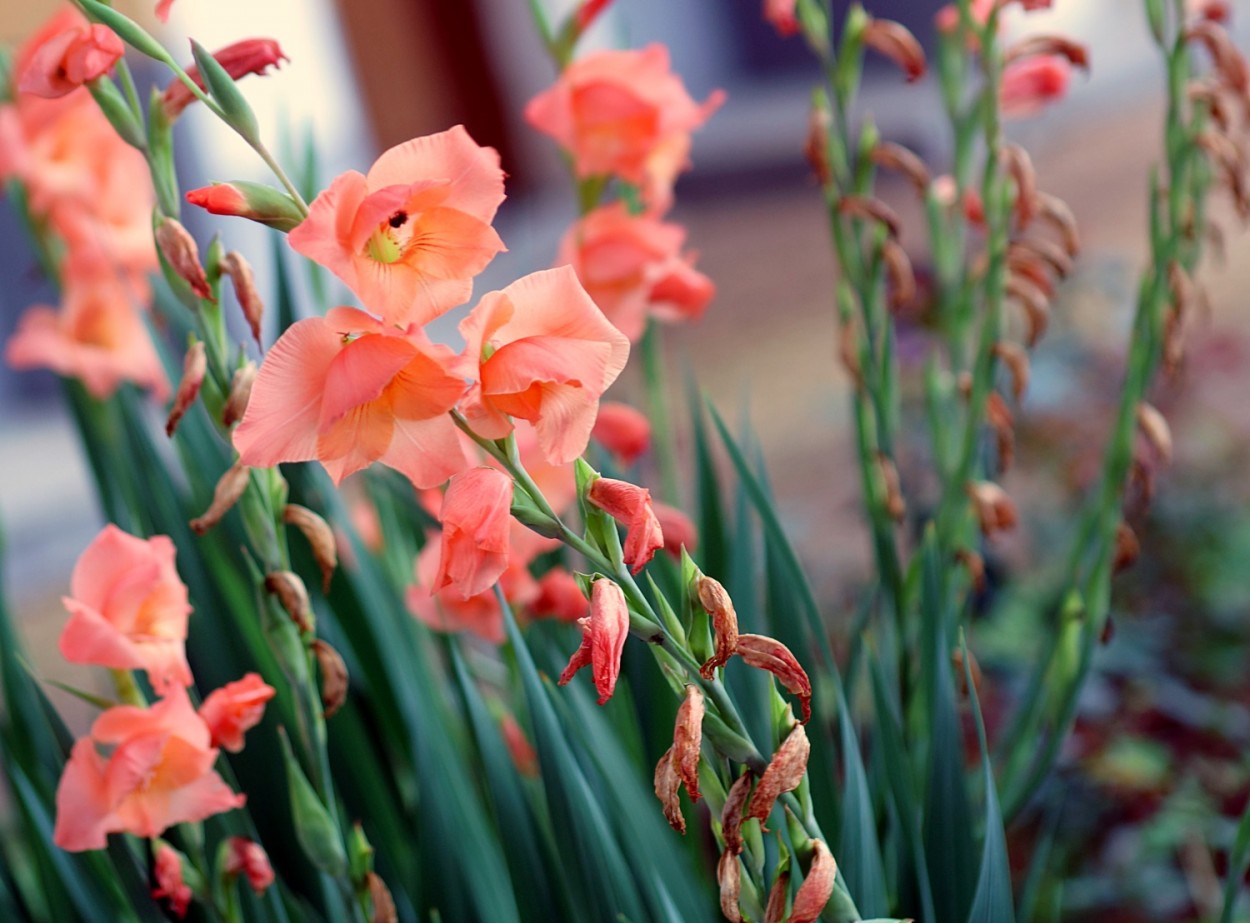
[
  {"x": 235, "y": 708},
  {"x": 476, "y": 515}
]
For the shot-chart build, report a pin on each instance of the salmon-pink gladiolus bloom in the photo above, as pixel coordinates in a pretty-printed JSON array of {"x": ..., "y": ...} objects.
[
  {"x": 249, "y": 859},
  {"x": 167, "y": 871},
  {"x": 633, "y": 267},
  {"x": 128, "y": 608},
  {"x": 159, "y": 772},
  {"x": 1030, "y": 84},
  {"x": 250, "y": 56},
  {"x": 622, "y": 430},
  {"x": 476, "y": 514},
  {"x": 98, "y": 336},
  {"x": 348, "y": 391},
  {"x": 780, "y": 13},
  {"x": 234, "y": 709},
  {"x": 559, "y": 597},
  {"x": 678, "y": 529},
  {"x": 162, "y": 10},
  {"x": 630, "y": 505},
  {"x": 551, "y": 355},
  {"x": 624, "y": 114},
  {"x": 603, "y": 638},
  {"x": 69, "y": 59},
  {"x": 409, "y": 236}
]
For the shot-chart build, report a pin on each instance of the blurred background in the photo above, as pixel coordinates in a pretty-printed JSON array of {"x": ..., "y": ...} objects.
[{"x": 367, "y": 74}]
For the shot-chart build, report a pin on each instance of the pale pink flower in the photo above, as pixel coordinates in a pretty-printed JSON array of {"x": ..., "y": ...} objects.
[
  {"x": 622, "y": 430},
  {"x": 780, "y": 13},
  {"x": 68, "y": 59},
  {"x": 249, "y": 859}
]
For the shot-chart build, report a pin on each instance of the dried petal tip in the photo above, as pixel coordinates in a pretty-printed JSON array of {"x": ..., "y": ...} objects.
[
  {"x": 384, "y": 910},
  {"x": 817, "y": 887},
  {"x": 293, "y": 596},
  {"x": 894, "y": 41},
  {"x": 333, "y": 677},
  {"x": 891, "y": 156},
  {"x": 731, "y": 815},
  {"x": 715, "y": 601},
  {"x": 1156, "y": 430},
  {"x": 784, "y": 773},
  {"x": 226, "y": 494},
  {"x": 667, "y": 787},
  {"x": 320, "y": 538},
  {"x": 179, "y": 249},
  {"x": 687, "y": 740},
  {"x": 240, "y": 392},
  {"x": 1049, "y": 46},
  {"x": 778, "y": 897},
  {"x": 873, "y": 209},
  {"x": 240, "y": 273},
  {"x": 765, "y": 653},
  {"x": 729, "y": 877},
  {"x": 194, "y": 367},
  {"x": 994, "y": 508},
  {"x": 1127, "y": 548}
]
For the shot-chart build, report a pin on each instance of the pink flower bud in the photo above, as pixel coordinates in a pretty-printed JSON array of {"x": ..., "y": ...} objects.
[
  {"x": 250, "y": 56},
  {"x": 194, "y": 366},
  {"x": 678, "y": 529},
  {"x": 167, "y": 871},
  {"x": 234, "y": 709},
  {"x": 630, "y": 505},
  {"x": 249, "y": 859},
  {"x": 780, "y": 14},
  {"x": 603, "y": 638},
  {"x": 622, "y": 430},
  {"x": 68, "y": 59},
  {"x": 254, "y": 201},
  {"x": 183, "y": 256}
]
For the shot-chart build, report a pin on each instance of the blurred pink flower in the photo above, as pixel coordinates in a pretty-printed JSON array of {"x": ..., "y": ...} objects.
[
  {"x": 622, "y": 430},
  {"x": 780, "y": 13},
  {"x": 167, "y": 871},
  {"x": 1032, "y": 83},
  {"x": 247, "y": 858},
  {"x": 559, "y": 597},
  {"x": 542, "y": 351},
  {"x": 159, "y": 772},
  {"x": 348, "y": 391},
  {"x": 128, "y": 608},
  {"x": 70, "y": 58},
  {"x": 633, "y": 267},
  {"x": 409, "y": 237},
  {"x": 234, "y": 709}
]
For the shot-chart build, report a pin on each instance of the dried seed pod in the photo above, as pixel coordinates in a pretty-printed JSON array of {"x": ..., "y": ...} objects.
[
  {"x": 1017, "y": 362},
  {"x": 716, "y": 602},
  {"x": 194, "y": 367},
  {"x": 1049, "y": 252},
  {"x": 731, "y": 814},
  {"x": 784, "y": 773},
  {"x": 333, "y": 677},
  {"x": 1156, "y": 430},
  {"x": 226, "y": 494},
  {"x": 179, "y": 249},
  {"x": 817, "y": 887},
  {"x": 1055, "y": 211},
  {"x": 873, "y": 210},
  {"x": 320, "y": 539},
  {"x": 765, "y": 653},
  {"x": 688, "y": 739},
  {"x": 667, "y": 787},
  {"x": 1036, "y": 308},
  {"x": 293, "y": 596},
  {"x": 995, "y": 510}
]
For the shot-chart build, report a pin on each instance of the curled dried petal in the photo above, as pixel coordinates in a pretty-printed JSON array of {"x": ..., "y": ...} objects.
[
  {"x": 778, "y": 895},
  {"x": 902, "y": 279},
  {"x": 1001, "y": 420},
  {"x": 1020, "y": 166},
  {"x": 1156, "y": 430},
  {"x": 333, "y": 677},
  {"x": 240, "y": 392},
  {"x": 893, "y": 40},
  {"x": 320, "y": 539},
  {"x": 903, "y": 160},
  {"x": 895, "y": 505},
  {"x": 858, "y": 206},
  {"x": 784, "y": 773},
  {"x": 728, "y": 875},
  {"x": 293, "y": 596},
  {"x": 817, "y": 887},
  {"x": 179, "y": 249},
  {"x": 1057, "y": 213},
  {"x": 383, "y": 904},
  {"x": 731, "y": 814},
  {"x": 688, "y": 739},
  {"x": 1017, "y": 362},
  {"x": 667, "y": 786},
  {"x": 1047, "y": 45},
  {"x": 226, "y": 494},
  {"x": 715, "y": 600},
  {"x": 765, "y": 653},
  {"x": 240, "y": 273},
  {"x": 194, "y": 367}
]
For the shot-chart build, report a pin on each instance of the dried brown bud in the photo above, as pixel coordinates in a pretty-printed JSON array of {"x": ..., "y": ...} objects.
[
  {"x": 1017, "y": 362},
  {"x": 240, "y": 273},
  {"x": 1141, "y": 478},
  {"x": 902, "y": 280},
  {"x": 728, "y": 875},
  {"x": 1025, "y": 265},
  {"x": 872, "y": 209},
  {"x": 293, "y": 596},
  {"x": 1229, "y": 64},
  {"x": 383, "y": 904},
  {"x": 893, "y": 40},
  {"x": 1020, "y": 166},
  {"x": 194, "y": 366},
  {"x": 731, "y": 815},
  {"x": 687, "y": 740},
  {"x": 1055, "y": 211},
  {"x": 1049, "y": 252},
  {"x": 667, "y": 787},
  {"x": 975, "y": 565},
  {"x": 1127, "y": 548},
  {"x": 179, "y": 249},
  {"x": 333, "y": 677},
  {"x": 1156, "y": 430},
  {"x": 320, "y": 538},
  {"x": 229, "y": 489},
  {"x": 816, "y": 147},
  {"x": 1226, "y": 153},
  {"x": 785, "y": 771},
  {"x": 893, "y": 502},
  {"x": 765, "y": 653},
  {"x": 817, "y": 887},
  {"x": 716, "y": 602},
  {"x": 994, "y": 508},
  {"x": 240, "y": 393},
  {"x": 891, "y": 156},
  {"x": 848, "y": 352},
  {"x": 778, "y": 895},
  {"x": 1046, "y": 46},
  {"x": 1211, "y": 95},
  {"x": 1000, "y": 419},
  {"x": 1036, "y": 308}
]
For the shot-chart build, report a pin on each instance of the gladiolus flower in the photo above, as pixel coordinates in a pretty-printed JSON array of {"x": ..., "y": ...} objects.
[
  {"x": 780, "y": 13},
  {"x": 559, "y": 596},
  {"x": 159, "y": 773},
  {"x": 249, "y": 859},
  {"x": 603, "y": 638},
  {"x": 1030, "y": 84},
  {"x": 624, "y": 114},
  {"x": 676, "y": 527},
  {"x": 347, "y": 391},
  {"x": 630, "y": 505},
  {"x": 167, "y": 870},
  {"x": 128, "y": 608},
  {"x": 250, "y": 56},
  {"x": 476, "y": 515},
  {"x": 632, "y": 266},
  {"x": 68, "y": 59},
  {"x": 622, "y": 430},
  {"x": 409, "y": 236},
  {"x": 234, "y": 709},
  {"x": 254, "y": 201},
  {"x": 542, "y": 352},
  {"x": 817, "y": 887}
]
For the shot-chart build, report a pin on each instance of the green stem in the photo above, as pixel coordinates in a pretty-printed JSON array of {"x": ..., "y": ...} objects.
[{"x": 655, "y": 384}]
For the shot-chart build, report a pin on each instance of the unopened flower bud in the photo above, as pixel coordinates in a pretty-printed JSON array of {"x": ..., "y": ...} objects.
[
  {"x": 250, "y": 56},
  {"x": 320, "y": 539},
  {"x": 630, "y": 505},
  {"x": 667, "y": 788},
  {"x": 254, "y": 201},
  {"x": 1127, "y": 548},
  {"x": 729, "y": 878},
  {"x": 714, "y": 599},
  {"x": 1017, "y": 362},
  {"x": 688, "y": 739},
  {"x": 902, "y": 279},
  {"x": 333, "y": 677},
  {"x": 622, "y": 430},
  {"x": 893, "y": 40},
  {"x": 226, "y": 494},
  {"x": 765, "y": 653},
  {"x": 240, "y": 273},
  {"x": 240, "y": 393},
  {"x": 179, "y": 249},
  {"x": 293, "y": 596},
  {"x": 194, "y": 367},
  {"x": 731, "y": 814},
  {"x": 995, "y": 510},
  {"x": 891, "y": 156},
  {"x": 1156, "y": 430},
  {"x": 817, "y": 887},
  {"x": 872, "y": 209},
  {"x": 784, "y": 773},
  {"x": 380, "y": 896},
  {"x": 249, "y": 859}
]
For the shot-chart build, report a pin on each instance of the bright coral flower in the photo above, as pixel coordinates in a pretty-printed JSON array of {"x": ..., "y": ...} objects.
[
  {"x": 167, "y": 870},
  {"x": 69, "y": 59},
  {"x": 98, "y": 336},
  {"x": 409, "y": 236},
  {"x": 249, "y": 859},
  {"x": 250, "y": 56},
  {"x": 633, "y": 267},
  {"x": 348, "y": 391},
  {"x": 622, "y": 430},
  {"x": 543, "y": 353},
  {"x": 623, "y": 114},
  {"x": 678, "y": 529},
  {"x": 1031, "y": 84},
  {"x": 476, "y": 515},
  {"x": 603, "y": 638},
  {"x": 559, "y": 597},
  {"x": 159, "y": 772},
  {"x": 128, "y": 608},
  {"x": 630, "y": 505},
  {"x": 234, "y": 709},
  {"x": 162, "y": 10}
]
